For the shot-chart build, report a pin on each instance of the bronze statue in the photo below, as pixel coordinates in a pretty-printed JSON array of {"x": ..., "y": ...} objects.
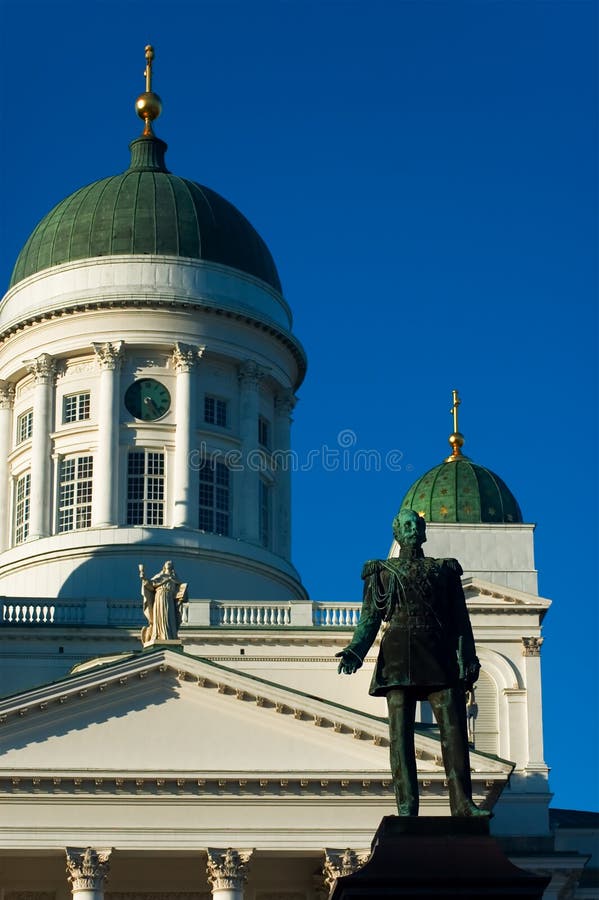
[{"x": 427, "y": 653}]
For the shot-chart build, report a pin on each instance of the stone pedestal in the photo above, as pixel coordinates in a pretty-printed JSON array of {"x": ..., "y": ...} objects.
[
  {"x": 163, "y": 644},
  {"x": 417, "y": 857}
]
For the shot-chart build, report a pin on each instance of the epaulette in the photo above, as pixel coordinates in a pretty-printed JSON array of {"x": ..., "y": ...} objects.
[
  {"x": 371, "y": 567},
  {"x": 454, "y": 565}
]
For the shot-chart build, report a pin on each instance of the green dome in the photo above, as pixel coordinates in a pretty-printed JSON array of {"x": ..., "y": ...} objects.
[
  {"x": 460, "y": 491},
  {"x": 146, "y": 210}
]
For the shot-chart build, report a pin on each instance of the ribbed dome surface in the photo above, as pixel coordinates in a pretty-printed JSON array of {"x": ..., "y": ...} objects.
[
  {"x": 461, "y": 491},
  {"x": 146, "y": 210}
]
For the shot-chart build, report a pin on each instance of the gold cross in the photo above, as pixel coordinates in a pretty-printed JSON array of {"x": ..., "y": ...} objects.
[
  {"x": 454, "y": 410},
  {"x": 148, "y": 69}
]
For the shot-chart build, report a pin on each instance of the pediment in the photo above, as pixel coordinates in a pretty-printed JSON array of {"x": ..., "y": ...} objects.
[
  {"x": 482, "y": 594},
  {"x": 165, "y": 714}
]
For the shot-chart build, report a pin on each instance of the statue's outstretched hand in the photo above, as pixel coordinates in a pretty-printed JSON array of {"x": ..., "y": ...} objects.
[{"x": 350, "y": 662}]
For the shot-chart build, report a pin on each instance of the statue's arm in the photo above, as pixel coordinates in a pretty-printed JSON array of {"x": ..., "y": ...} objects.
[
  {"x": 467, "y": 658},
  {"x": 148, "y": 591},
  {"x": 367, "y": 628}
]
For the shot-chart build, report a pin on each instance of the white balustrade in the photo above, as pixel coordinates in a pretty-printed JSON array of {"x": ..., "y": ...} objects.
[
  {"x": 336, "y": 614},
  {"x": 249, "y": 614},
  {"x": 237, "y": 614},
  {"x": 41, "y": 612},
  {"x": 26, "y": 613},
  {"x": 125, "y": 612}
]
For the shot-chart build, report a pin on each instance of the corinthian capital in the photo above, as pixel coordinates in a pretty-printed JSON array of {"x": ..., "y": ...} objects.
[
  {"x": 342, "y": 862},
  {"x": 109, "y": 355},
  {"x": 285, "y": 403},
  {"x": 7, "y": 395},
  {"x": 186, "y": 356},
  {"x": 227, "y": 868},
  {"x": 250, "y": 374},
  {"x": 87, "y": 867},
  {"x": 43, "y": 368},
  {"x": 531, "y": 646}
]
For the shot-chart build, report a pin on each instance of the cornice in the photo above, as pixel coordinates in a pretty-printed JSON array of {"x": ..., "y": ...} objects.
[
  {"x": 213, "y": 786},
  {"x": 157, "y": 300}
]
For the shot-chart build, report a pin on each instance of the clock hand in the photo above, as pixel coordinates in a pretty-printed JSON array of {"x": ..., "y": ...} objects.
[{"x": 150, "y": 404}]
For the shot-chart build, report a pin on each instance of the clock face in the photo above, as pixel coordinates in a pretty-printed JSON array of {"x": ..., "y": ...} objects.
[{"x": 147, "y": 399}]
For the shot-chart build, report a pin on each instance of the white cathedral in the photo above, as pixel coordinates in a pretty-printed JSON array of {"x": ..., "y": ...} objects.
[{"x": 148, "y": 370}]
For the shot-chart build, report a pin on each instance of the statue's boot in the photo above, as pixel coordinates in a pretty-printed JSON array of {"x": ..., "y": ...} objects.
[
  {"x": 462, "y": 805},
  {"x": 402, "y": 713}
]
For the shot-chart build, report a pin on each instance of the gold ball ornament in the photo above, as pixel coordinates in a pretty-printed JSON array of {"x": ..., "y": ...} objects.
[
  {"x": 148, "y": 106},
  {"x": 457, "y": 442}
]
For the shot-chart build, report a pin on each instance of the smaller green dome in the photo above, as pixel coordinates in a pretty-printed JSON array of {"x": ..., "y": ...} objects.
[{"x": 461, "y": 491}]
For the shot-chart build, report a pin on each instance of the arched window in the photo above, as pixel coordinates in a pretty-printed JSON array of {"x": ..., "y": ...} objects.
[
  {"x": 265, "y": 513},
  {"x": 75, "y": 484},
  {"x": 145, "y": 488},
  {"x": 215, "y": 497},
  {"x": 486, "y": 719},
  {"x": 22, "y": 507}
]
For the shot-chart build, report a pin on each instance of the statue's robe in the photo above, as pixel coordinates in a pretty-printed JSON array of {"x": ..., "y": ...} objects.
[
  {"x": 162, "y": 598},
  {"x": 427, "y": 640}
]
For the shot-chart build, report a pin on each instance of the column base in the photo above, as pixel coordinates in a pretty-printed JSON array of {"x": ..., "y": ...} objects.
[{"x": 452, "y": 857}]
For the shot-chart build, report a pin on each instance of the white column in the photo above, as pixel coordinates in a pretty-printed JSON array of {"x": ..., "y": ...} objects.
[
  {"x": 227, "y": 872},
  {"x": 43, "y": 369},
  {"x": 7, "y": 396},
  {"x": 282, "y": 461},
  {"x": 104, "y": 507},
  {"x": 87, "y": 869},
  {"x": 250, "y": 376},
  {"x": 186, "y": 481},
  {"x": 531, "y": 651},
  {"x": 513, "y": 741}
]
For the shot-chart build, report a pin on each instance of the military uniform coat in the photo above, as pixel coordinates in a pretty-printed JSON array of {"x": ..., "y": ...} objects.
[{"x": 427, "y": 639}]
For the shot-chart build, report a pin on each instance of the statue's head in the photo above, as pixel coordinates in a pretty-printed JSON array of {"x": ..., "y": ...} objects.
[
  {"x": 409, "y": 528},
  {"x": 168, "y": 567}
]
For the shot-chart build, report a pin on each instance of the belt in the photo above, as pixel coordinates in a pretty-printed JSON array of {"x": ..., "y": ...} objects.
[{"x": 405, "y": 621}]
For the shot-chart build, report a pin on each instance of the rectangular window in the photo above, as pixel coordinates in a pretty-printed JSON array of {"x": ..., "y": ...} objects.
[
  {"x": 145, "y": 488},
  {"x": 215, "y": 497},
  {"x": 215, "y": 411},
  {"x": 263, "y": 432},
  {"x": 24, "y": 426},
  {"x": 264, "y": 513},
  {"x": 22, "y": 507},
  {"x": 75, "y": 407},
  {"x": 75, "y": 493}
]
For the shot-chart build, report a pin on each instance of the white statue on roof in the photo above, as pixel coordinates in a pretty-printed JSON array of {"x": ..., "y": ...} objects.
[{"x": 163, "y": 598}]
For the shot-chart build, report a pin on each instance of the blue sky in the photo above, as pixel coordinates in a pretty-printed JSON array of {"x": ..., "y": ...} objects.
[{"x": 425, "y": 175}]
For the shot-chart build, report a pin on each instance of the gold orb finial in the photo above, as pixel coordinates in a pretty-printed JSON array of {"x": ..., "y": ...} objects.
[
  {"x": 456, "y": 439},
  {"x": 148, "y": 105}
]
